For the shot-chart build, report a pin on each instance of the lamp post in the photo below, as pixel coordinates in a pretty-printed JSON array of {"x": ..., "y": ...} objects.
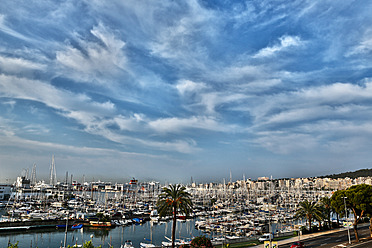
[{"x": 348, "y": 230}]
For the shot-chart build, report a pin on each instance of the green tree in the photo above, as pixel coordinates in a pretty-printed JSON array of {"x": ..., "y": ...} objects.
[
  {"x": 173, "y": 200},
  {"x": 358, "y": 200},
  {"x": 322, "y": 215},
  {"x": 337, "y": 203},
  {"x": 308, "y": 210},
  {"x": 369, "y": 214}
]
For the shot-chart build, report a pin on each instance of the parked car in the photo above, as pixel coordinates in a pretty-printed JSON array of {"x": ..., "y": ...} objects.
[
  {"x": 266, "y": 237},
  {"x": 298, "y": 244}
]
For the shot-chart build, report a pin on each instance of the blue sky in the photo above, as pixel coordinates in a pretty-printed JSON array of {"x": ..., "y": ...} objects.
[{"x": 170, "y": 90}]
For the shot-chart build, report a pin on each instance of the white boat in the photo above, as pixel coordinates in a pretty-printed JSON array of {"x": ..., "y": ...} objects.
[
  {"x": 147, "y": 245},
  {"x": 166, "y": 244},
  {"x": 127, "y": 244}
]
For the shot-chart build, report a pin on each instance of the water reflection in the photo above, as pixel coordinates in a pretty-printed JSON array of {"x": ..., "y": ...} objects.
[{"x": 146, "y": 232}]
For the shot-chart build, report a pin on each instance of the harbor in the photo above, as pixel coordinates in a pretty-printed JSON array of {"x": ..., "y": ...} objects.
[{"x": 71, "y": 213}]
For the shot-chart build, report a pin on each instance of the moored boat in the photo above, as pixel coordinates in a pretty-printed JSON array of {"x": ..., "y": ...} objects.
[
  {"x": 127, "y": 244},
  {"x": 99, "y": 224},
  {"x": 77, "y": 226}
]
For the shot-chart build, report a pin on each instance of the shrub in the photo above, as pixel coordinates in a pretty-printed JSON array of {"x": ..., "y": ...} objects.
[
  {"x": 87, "y": 244},
  {"x": 201, "y": 241},
  {"x": 13, "y": 246}
]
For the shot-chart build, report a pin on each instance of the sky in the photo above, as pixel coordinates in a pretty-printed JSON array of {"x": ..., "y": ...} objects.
[{"x": 173, "y": 90}]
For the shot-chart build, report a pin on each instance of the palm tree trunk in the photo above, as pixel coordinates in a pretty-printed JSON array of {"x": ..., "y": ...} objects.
[
  {"x": 174, "y": 226},
  {"x": 320, "y": 225},
  {"x": 370, "y": 226},
  {"x": 309, "y": 224}
]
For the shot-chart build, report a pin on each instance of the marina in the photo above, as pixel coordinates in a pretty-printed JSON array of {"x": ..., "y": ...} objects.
[
  {"x": 59, "y": 214},
  {"x": 109, "y": 215}
]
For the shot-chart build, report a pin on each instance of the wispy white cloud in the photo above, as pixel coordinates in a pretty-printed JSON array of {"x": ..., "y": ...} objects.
[
  {"x": 286, "y": 143},
  {"x": 365, "y": 45},
  {"x": 98, "y": 127},
  {"x": 11, "y": 103},
  {"x": 19, "y": 65},
  {"x": 187, "y": 146},
  {"x": 285, "y": 42},
  {"x": 176, "y": 125},
  {"x": 211, "y": 100},
  {"x": 92, "y": 158},
  {"x": 94, "y": 61},
  {"x": 316, "y": 115},
  {"x": 187, "y": 86},
  {"x": 36, "y": 90},
  {"x": 176, "y": 40},
  {"x": 202, "y": 98},
  {"x": 6, "y": 29},
  {"x": 311, "y": 99}
]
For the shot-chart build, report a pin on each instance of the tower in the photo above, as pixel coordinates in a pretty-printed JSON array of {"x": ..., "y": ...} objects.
[
  {"x": 53, "y": 173},
  {"x": 33, "y": 175}
]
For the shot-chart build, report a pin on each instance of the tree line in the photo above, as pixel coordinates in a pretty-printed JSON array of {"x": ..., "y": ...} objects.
[
  {"x": 351, "y": 174},
  {"x": 356, "y": 200}
]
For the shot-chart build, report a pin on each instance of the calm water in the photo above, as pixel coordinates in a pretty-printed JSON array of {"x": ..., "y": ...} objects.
[{"x": 53, "y": 238}]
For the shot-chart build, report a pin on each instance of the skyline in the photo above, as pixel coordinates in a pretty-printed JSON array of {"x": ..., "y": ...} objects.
[{"x": 172, "y": 90}]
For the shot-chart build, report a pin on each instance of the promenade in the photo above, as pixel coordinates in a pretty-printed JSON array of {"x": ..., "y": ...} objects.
[{"x": 287, "y": 242}]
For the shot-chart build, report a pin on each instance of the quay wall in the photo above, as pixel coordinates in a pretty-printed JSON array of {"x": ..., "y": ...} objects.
[{"x": 39, "y": 223}]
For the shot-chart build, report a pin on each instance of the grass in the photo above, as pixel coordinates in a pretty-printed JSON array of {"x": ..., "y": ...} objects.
[
  {"x": 242, "y": 244},
  {"x": 253, "y": 242}
]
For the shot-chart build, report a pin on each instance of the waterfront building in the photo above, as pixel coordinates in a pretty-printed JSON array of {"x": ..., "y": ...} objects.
[
  {"x": 23, "y": 182},
  {"x": 5, "y": 192}
]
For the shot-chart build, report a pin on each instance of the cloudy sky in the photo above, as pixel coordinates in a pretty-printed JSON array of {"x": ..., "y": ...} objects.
[{"x": 170, "y": 90}]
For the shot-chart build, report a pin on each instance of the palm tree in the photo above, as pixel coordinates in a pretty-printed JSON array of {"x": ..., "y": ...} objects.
[
  {"x": 327, "y": 209},
  {"x": 309, "y": 210},
  {"x": 173, "y": 200}
]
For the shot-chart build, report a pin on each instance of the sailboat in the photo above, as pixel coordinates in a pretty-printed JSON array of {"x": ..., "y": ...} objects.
[{"x": 148, "y": 245}]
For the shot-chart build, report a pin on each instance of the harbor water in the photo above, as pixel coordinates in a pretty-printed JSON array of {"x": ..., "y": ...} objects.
[{"x": 146, "y": 232}]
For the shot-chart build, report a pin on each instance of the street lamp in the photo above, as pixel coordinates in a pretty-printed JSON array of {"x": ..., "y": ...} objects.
[{"x": 348, "y": 230}]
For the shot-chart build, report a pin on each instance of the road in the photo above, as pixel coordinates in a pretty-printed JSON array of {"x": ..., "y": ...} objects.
[{"x": 336, "y": 239}]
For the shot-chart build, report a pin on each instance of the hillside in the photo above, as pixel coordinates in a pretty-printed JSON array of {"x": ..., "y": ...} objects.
[{"x": 352, "y": 174}]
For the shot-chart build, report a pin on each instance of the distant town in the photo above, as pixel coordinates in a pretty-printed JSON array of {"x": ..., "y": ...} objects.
[{"x": 312, "y": 188}]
